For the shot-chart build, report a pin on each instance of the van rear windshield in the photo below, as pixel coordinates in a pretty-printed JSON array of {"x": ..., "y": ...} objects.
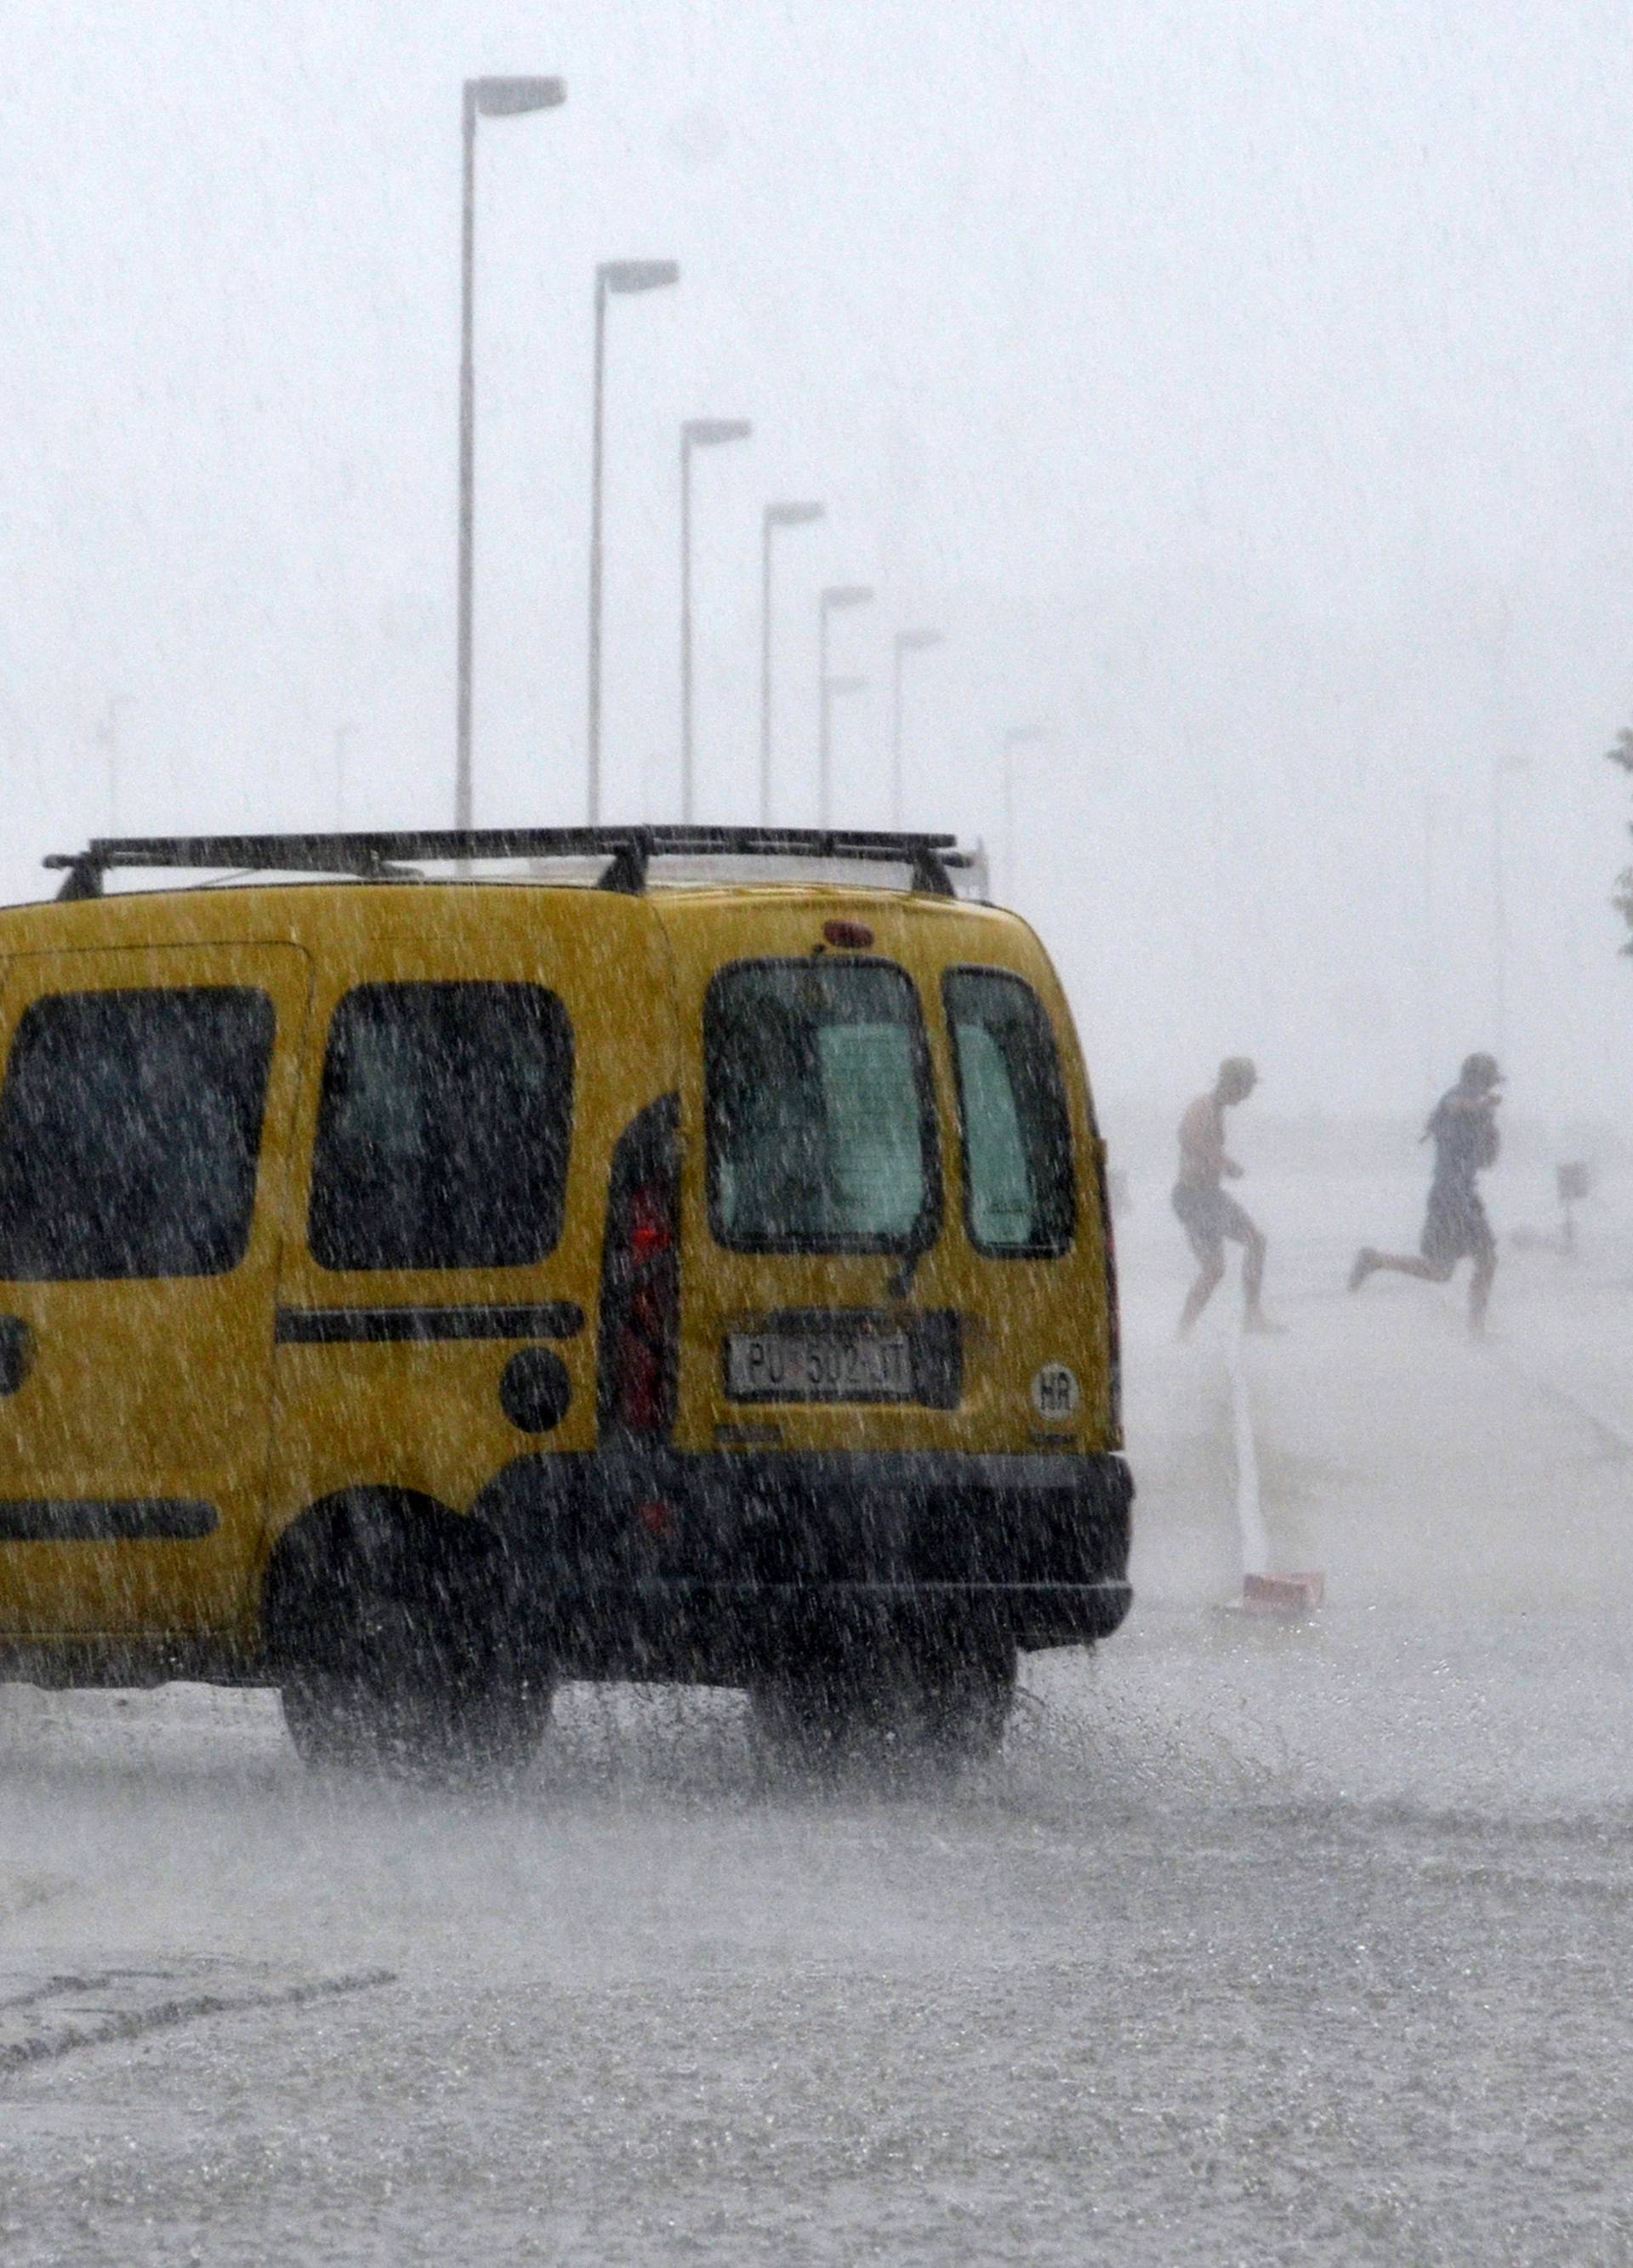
[
  {"x": 1019, "y": 1191},
  {"x": 821, "y": 1129},
  {"x": 442, "y": 1128}
]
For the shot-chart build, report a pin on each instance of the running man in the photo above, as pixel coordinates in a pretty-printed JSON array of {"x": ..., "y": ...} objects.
[
  {"x": 1462, "y": 1126},
  {"x": 1207, "y": 1215}
]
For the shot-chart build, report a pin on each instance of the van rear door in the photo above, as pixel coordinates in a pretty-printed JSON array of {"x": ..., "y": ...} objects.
[
  {"x": 1032, "y": 1206},
  {"x": 893, "y": 1237},
  {"x": 144, "y": 1114},
  {"x": 819, "y": 1308}
]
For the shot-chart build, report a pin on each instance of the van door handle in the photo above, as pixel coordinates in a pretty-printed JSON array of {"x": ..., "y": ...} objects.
[{"x": 17, "y": 1352}]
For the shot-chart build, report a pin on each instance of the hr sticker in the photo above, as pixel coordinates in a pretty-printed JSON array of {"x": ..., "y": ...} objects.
[{"x": 1055, "y": 1392}]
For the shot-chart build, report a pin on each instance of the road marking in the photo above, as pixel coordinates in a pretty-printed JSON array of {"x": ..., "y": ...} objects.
[
  {"x": 1249, "y": 1505},
  {"x": 53, "y": 2016},
  {"x": 1617, "y": 1429},
  {"x": 1287, "y": 1596}
]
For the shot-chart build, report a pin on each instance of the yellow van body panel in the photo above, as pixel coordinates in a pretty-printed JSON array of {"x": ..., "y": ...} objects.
[
  {"x": 263, "y": 1391},
  {"x": 147, "y": 1403},
  {"x": 426, "y": 1415},
  {"x": 192, "y": 1390}
]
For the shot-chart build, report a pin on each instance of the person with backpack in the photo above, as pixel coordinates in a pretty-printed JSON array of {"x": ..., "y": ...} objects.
[{"x": 1463, "y": 1128}]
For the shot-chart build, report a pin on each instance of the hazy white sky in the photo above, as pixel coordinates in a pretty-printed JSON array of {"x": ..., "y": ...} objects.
[{"x": 1246, "y": 389}]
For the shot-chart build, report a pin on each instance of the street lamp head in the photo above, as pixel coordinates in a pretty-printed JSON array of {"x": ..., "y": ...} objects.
[
  {"x": 638, "y": 275},
  {"x": 847, "y": 594},
  {"x": 918, "y": 641},
  {"x": 793, "y": 515},
  {"x": 710, "y": 433},
  {"x": 510, "y": 98}
]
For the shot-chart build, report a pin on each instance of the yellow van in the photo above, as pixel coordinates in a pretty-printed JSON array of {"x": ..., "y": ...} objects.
[{"x": 415, "y": 1291}]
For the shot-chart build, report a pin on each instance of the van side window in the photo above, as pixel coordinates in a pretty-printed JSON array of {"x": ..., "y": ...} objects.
[
  {"x": 1020, "y": 1192},
  {"x": 129, "y": 1131},
  {"x": 442, "y": 1128},
  {"x": 821, "y": 1123}
]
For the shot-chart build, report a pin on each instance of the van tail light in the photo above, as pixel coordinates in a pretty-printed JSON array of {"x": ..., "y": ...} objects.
[
  {"x": 640, "y": 1343},
  {"x": 1114, "y": 1319}
]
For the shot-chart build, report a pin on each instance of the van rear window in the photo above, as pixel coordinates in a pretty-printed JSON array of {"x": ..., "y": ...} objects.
[
  {"x": 821, "y": 1127},
  {"x": 129, "y": 1130},
  {"x": 1020, "y": 1191},
  {"x": 442, "y": 1128}
]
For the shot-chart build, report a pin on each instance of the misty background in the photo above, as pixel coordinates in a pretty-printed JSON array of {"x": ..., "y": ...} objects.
[{"x": 1246, "y": 393}]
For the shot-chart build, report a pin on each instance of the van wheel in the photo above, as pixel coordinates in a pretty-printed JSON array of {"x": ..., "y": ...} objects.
[
  {"x": 388, "y": 1634},
  {"x": 968, "y": 1694},
  {"x": 413, "y": 1728},
  {"x": 917, "y": 1707}
]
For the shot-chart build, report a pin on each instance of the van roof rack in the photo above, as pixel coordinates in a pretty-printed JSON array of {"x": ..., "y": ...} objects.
[{"x": 628, "y": 850}]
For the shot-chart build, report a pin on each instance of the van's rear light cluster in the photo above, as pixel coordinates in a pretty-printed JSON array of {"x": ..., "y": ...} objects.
[
  {"x": 640, "y": 1342},
  {"x": 643, "y": 1351}
]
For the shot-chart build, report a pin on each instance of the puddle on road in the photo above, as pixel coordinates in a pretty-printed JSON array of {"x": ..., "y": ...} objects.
[{"x": 22, "y": 1894}]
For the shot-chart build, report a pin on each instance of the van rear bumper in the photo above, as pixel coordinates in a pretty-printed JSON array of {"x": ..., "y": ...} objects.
[{"x": 667, "y": 1564}]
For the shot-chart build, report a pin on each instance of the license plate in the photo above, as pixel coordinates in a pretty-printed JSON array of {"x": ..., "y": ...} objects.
[{"x": 818, "y": 1367}]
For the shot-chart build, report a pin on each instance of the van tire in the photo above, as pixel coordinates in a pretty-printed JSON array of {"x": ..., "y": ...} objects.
[
  {"x": 388, "y": 1631},
  {"x": 413, "y": 1729},
  {"x": 915, "y": 1706},
  {"x": 968, "y": 1695}
]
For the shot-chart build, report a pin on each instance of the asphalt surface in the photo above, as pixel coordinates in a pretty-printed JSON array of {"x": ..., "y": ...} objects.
[{"x": 1258, "y": 1942}]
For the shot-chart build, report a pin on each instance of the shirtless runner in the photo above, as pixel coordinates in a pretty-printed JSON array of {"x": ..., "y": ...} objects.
[{"x": 1206, "y": 1213}]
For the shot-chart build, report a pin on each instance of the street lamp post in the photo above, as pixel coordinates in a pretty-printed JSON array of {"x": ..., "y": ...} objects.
[
  {"x": 907, "y": 642},
  {"x": 343, "y": 733},
  {"x": 835, "y": 596},
  {"x": 623, "y": 276},
  {"x": 1504, "y": 767},
  {"x": 1432, "y": 965},
  {"x": 837, "y": 688},
  {"x": 484, "y": 97},
  {"x": 108, "y": 740},
  {"x": 1018, "y": 736},
  {"x": 695, "y": 433},
  {"x": 775, "y": 516}
]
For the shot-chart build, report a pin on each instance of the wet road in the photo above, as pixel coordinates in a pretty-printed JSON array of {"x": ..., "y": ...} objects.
[{"x": 1257, "y": 1943}]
